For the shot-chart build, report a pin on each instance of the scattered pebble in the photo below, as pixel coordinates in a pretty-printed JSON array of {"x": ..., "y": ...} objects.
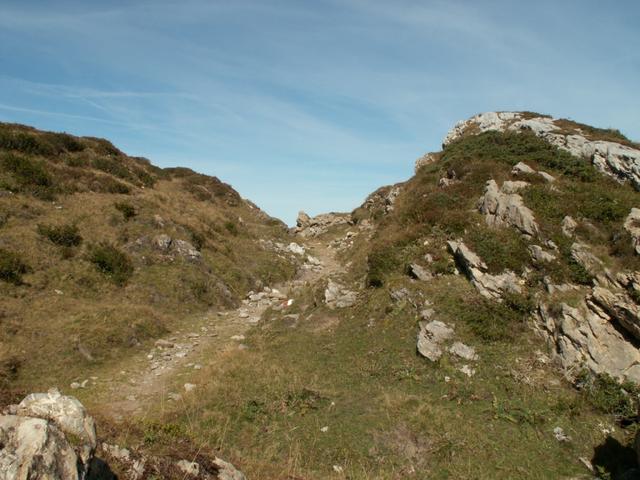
[
  {"x": 188, "y": 387},
  {"x": 324, "y": 429}
]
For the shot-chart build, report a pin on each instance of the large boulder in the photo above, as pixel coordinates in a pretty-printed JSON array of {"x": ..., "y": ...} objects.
[
  {"x": 40, "y": 425},
  {"x": 620, "y": 308},
  {"x": 586, "y": 336},
  {"x": 65, "y": 412},
  {"x": 503, "y": 207},
  {"x": 34, "y": 448}
]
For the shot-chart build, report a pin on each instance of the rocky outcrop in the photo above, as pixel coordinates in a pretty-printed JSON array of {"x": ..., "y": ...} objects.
[
  {"x": 611, "y": 158},
  {"x": 426, "y": 159},
  {"x": 632, "y": 225},
  {"x": 337, "y": 296},
  {"x": 568, "y": 226},
  {"x": 307, "y": 226},
  {"x": 581, "y": 254},
  {"x": 503, "y": 207},
  {"x": 383, "y": 199},
  {"x": 539, "y": 255},
  {"x": 489, "y": 286},
  {"x": 431, "y": 336},
  {"x": 522, "y": 168},
  {"x": 620, "y": 308},
  {"x": 587, "y": 337},
  {"x": 35, "y": 437},
  {"x": 35, "y": 448}
]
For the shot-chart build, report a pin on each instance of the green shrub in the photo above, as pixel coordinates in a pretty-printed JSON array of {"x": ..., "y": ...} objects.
[
  {"x": 112, "y": 166},
  {"x": 12, "y": 267},
  {"x": 63, "y": 235},
  {"x": 108, "y": 184},
  {"x": 492, "y": 321},
  {"x": 608, "y": 395},
  {"x": 511, "y": 148},
  {"x": 27, "y": 172},
  {"x": 111, "y": 261},
  {"x": 128, "y": 211},
  {"x": 231, "y": 227},
  {"x": 500, "y": 248}
]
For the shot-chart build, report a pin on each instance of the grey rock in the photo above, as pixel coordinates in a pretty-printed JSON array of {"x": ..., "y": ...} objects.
[
  {"x": 67, "y": 413},
  {"x": 336, "y": 296},
  {"x": 34, "y": 448},
  {"x": 539, "y": 255},
  {"x": 185, "y": 249},
  {"x": 506, "y": 209},
  {"x": 522, "y": 168},
  {"x": 489, "y": 286},
  {"x": 632, "y": 225},
  {"x": 568, "y": 226},
  {"x": 586, "y": 337},
  {"x": 463, "y": 351},
  {"x": 191, "y": 469},
  {"x": 581, "y": 253},
  {"x": 419, "y": 272},
  {"x": 611, "y": 158},
  {"x": 426, "y": 159},
  {"x": 547, "y": 177},
  {"x": 162, "y": 241},
  {"x": 620, "y": 308}
]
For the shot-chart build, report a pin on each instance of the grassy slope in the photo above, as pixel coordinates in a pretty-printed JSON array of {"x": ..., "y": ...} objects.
[
  {"x": 390, "y": 413},
  {"x": 64, "y": 305}
]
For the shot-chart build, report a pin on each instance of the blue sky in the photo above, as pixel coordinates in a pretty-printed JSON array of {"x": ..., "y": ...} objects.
[{"x": 310, "y": 104}]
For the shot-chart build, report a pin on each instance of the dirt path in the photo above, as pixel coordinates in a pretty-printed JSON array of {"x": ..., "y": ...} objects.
[{"x": 150, "y": 377}]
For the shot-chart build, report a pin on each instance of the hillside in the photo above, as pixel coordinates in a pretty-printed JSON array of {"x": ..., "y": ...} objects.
[
  {"x": 101, "y": 253},
  {"x": 480, "y": 320}
]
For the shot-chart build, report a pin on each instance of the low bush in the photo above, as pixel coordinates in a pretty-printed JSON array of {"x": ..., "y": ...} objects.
[
  {"x": 128, "y": 211},
  {"x": 63, "y": 235},
  {"x": 12, "y": 267},
  {"x": 111, "y": 261},
  {"x": 608, "y": 395},
  {"x": 27, "y": 172},
  {"x": 492, "y": 321}
]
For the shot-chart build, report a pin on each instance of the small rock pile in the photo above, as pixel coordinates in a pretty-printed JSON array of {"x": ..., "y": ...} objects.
[{"x": 432, "y": 336}]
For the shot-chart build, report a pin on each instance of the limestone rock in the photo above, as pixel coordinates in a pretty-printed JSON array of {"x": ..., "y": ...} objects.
[
  {"x": 632, "y": 225},
  {"x": 581, "y": 253},
  {"x": 539, "y": 255},
  {"x": 463, "y": 351},
  {"x": 426, "y": 159},
  {"x": 430, "y": 336},
  {"x": 226, "y": 471},
  {"x": 296, "y": 248},
  {"x": 162, "y": 241},
  {"x": 511, "y": 186},
  {"x": 611, "y": 158},
  {"x": 568, "y": 226},
  {"x": 185, "y": 249},
  {"x": 33, "y": 448},
  {"x": 506, "y": 209},
  {"x": 190, "y": 469},
  {"x": 67, "y": 413},
  {"x": 586, "y": 337},
  {"x": 522, "y": 168},
  {"x": 308, "y": 227},
  {"x": 336, "y": 296},
  {"x": 620, "y": 308},
  {"x": 419, "y": 272},
  {"x": 547, "y": 177},
  {"x": 489, "y": 286}
]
